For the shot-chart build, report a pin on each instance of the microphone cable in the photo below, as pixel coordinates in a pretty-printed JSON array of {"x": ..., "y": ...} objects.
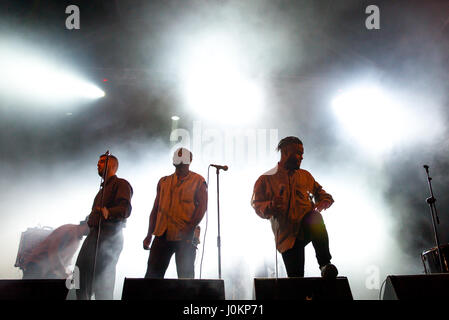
[{"x": 207, "y": 219}]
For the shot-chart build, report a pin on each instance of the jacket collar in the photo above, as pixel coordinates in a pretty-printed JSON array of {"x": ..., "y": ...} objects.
[{"x": 109, "y": 180}]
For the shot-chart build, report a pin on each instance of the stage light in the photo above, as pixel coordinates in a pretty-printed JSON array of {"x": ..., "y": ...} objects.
[
  {"x": 29, "y": 76},
  {"x": 175, "y": 118},
  {"x": 372, "y": 117},
  {"x": 216, "y": 87}
]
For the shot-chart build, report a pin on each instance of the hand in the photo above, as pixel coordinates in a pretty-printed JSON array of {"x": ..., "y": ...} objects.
[
  {"x": 62, "y": 273},
  {"x": 147, "y": 241},
  {"x": 322, "y": 205},
  {"x": 69, "y": 272},
  {"x": 105, "y": 213}
]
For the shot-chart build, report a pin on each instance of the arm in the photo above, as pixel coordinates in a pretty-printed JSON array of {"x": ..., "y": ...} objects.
[
  {"x": 121, "y": 208},
  {"x": 324, "y": 199},
  {"x": 200, "y": 204},
  {"x": 153, "y": 214},
  {"x": 153, "y": 218},
  {"x": 56, "y": 264},
  {"x": 261, "y": 200}
]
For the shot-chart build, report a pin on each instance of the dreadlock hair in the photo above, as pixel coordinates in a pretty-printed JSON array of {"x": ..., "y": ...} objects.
[{"x": 287, "y": 141}]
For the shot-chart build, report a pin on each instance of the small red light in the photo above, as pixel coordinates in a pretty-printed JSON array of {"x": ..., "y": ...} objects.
[{"x": 104, "y": 80}]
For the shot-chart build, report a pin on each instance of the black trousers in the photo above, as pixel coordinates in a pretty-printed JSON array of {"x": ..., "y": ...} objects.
[
  {"x": 110, "y": 246},
  {"x": 313, "y": 230},
  {"x": 161, "y": 252}
]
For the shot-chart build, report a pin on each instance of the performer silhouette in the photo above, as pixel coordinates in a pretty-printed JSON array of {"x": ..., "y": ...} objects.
[
  {"x": 180, "y": 204},
  {"x": 286, "y": 195},
  {"x": 112, "y": 206}
]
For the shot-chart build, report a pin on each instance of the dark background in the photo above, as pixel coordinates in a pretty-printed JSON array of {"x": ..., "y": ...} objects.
[{"x": 324, "y": 44}]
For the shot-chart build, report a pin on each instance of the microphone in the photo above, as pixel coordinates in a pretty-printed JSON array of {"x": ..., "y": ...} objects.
[
  {"x": 426, "y": 167},
  {"x": 225, "y": 168}
]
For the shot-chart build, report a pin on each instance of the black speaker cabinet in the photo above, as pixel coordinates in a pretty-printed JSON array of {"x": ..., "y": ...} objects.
[
  {"x": 173, "y": 289},
  {"x": 417, "y": 287},
  {"x": 38, "y": 289},
  {"x": 302, "y": 289}
]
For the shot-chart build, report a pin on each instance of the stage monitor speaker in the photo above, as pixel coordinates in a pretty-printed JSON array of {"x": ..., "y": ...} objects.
[
  {"x": 172, "y": 289},
  {"x": 302, "y": 289},
  {"x": 33, "y": 289},
  {"x": 417, "y": 287}
]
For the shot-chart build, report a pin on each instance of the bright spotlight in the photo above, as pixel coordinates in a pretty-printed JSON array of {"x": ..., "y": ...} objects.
[
  {"x": 175, "y": 118},
  {"x": 31, "y": 77},
  {"x": 372, "y": 117},
  {"x": 216, "y": 88},
  {"x": 87, "y": 90}
]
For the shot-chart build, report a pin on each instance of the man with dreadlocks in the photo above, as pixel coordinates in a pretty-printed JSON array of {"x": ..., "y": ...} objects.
[{"x": 292, "y": 200}]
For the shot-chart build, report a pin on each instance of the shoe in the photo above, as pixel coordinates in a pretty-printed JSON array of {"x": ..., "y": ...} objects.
[{"x": 329, "y": 271}]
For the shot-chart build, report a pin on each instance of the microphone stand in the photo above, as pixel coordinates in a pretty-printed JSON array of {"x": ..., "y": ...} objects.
[
  {"x": 100, "y": 219},
  {"x": 218, "y": 214},
  {"x": 433, "y": 211}
]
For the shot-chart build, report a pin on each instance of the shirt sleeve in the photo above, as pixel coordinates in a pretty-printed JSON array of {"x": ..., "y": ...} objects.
[
  {"x": 261, "y": 199},
  {"x": 320, "y": 194},
  {"x": 121, "y": 206},
  {"x": 200, "y": 204}
]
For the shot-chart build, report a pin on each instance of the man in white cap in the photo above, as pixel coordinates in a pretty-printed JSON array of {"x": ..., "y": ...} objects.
[{"x": 179, "y": 207}]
